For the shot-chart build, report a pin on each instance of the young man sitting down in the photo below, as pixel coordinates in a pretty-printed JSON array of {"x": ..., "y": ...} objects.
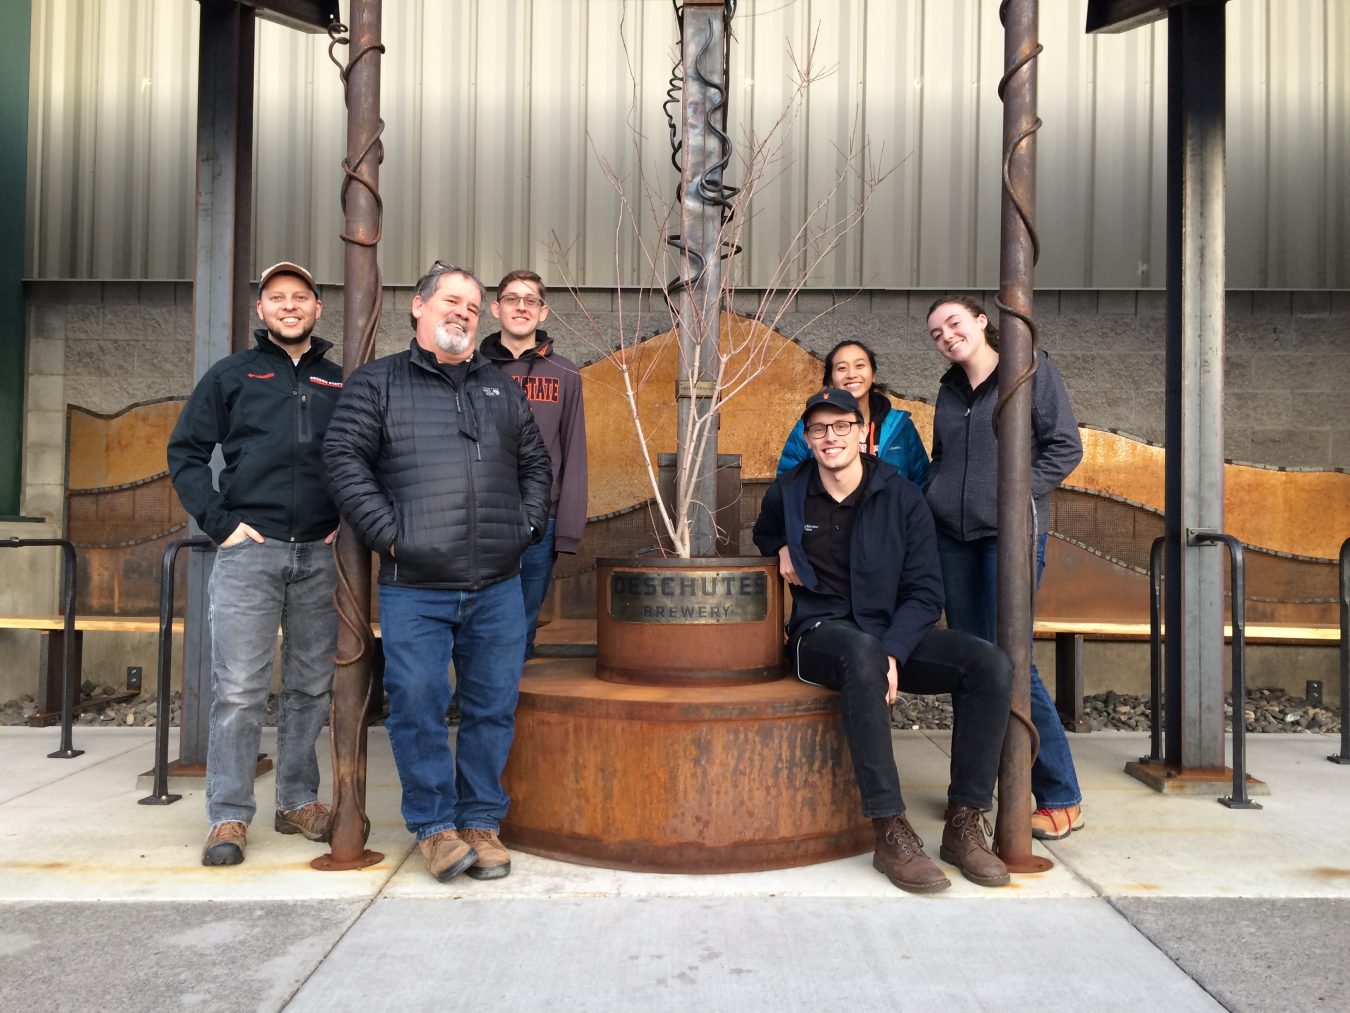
[{"x": 855, "y": 541}]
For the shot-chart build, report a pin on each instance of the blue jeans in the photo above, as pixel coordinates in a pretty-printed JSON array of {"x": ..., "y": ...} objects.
[
  {"x": 483, "y": 632},
  {"x": 536, "y": 570},
  {"x": 970, "y": 579},
  {"x": 254, "y": 589}
]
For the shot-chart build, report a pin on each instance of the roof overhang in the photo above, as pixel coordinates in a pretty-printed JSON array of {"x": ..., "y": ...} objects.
[{"x": 312, "y": 16}]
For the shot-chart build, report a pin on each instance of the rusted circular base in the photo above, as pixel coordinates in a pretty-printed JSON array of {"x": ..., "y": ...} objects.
[
  {"x": 680, "y": 779},
  {"x": 326, "y": 863},
  {"x": 684, "y": 677},
  {"x": 1027, "y": 863}
]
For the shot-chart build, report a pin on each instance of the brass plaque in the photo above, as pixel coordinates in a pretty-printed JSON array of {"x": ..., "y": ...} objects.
[{"x": 688, "y": 596}]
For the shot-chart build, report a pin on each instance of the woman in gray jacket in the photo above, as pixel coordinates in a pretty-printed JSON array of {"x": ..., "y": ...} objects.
[{"x": 963, "y": 495}]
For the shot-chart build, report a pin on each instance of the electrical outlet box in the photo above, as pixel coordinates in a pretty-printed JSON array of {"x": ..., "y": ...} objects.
[
  {"x": 1313, "y": 693},
  {"x": 134, "y": 677}
]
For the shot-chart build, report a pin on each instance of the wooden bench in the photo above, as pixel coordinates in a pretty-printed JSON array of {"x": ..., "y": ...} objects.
[
  {"x": 52, "y": 656},
  {"x": 1070, "y": 634}
]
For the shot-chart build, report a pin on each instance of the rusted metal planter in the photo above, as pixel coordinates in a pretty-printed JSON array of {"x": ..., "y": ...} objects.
[
  {"x": 713, "y": 621},
  {"x": 683, "y": 779}
]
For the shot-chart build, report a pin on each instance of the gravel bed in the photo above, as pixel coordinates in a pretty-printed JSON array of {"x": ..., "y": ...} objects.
[{"x": 1268, "y": 710}]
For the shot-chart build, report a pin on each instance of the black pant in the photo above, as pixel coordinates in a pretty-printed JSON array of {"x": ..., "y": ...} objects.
[{"x": 838, "y": 655}]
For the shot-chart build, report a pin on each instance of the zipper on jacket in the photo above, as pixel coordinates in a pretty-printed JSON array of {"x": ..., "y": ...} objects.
[
  {"x": 965, "y": 471},
  {"x": 300, "y": 424},
  {"x": 473, "y": 501}
]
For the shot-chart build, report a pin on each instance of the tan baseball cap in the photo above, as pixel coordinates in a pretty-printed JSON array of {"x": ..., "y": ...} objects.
[{"x": 286, "y": 267}]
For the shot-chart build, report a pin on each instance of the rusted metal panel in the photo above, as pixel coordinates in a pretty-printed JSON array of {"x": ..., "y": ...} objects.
[
  {"x": 737, "y": 779},
  {"x": 491, "y": 150}
]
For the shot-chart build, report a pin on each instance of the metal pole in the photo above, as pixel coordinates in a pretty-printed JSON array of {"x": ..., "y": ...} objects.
[
  {"x": 361, "y": 302},
  {"x": 1195, "y": 340},
  {"x": 220, "y": 291},
  {"x": 706, "y": 150},
  {"x": 1344, "y": 755},
  {"x": 1019, "y": 250},
  {"x": 1155, "y": 652}
]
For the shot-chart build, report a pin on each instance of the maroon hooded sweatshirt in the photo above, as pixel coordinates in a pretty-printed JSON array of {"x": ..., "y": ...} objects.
[{"x": 552, "y": 385}]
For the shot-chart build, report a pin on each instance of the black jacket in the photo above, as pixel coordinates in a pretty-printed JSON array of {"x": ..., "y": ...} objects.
[
  {"x": 269, "y": 417},
  {"x": 456, "y": 480},
  {"x": 963, "y": 479},
  {"x": 893, "y": 562}
]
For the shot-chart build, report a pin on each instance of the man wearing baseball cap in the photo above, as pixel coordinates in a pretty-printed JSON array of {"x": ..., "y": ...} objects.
[
  {"x": 267, "y": 410},
  {"x": 856, "y": 543}
]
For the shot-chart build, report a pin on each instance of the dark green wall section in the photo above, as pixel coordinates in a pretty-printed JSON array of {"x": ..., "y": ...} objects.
[{"x": 15, "y": 20}]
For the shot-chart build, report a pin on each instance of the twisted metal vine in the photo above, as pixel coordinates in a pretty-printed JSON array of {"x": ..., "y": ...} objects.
[
  {"x": 709, "y": 188},
  {"x": 1028, "y": 51}
]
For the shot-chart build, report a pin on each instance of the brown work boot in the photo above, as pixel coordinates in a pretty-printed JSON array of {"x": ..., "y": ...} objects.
[
  {"x": 447, "y": 855},
  {"x": 225, "y": 844},
  {"x": 899, "y": 856},
  {"x": 965, "y": 844},
  {"x": 311, "y": 820},
  {"x": 494, "y": 861}
]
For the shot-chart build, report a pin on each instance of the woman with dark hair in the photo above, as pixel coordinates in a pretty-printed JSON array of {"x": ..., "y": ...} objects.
[
  {"x": 963, "y": 495},
  {"x": 889, "y": 432}
]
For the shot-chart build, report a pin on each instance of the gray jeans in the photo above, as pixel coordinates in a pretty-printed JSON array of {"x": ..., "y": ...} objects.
[{"x": 254, "y": 589}]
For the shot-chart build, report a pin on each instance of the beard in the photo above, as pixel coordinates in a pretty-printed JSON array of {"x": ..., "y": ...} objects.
[
  {"x": 287, "y": 340},
  {"x": 453, "y": 337}
]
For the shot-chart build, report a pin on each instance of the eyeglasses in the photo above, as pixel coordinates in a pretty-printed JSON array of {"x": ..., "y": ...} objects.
[
  {"x": 528, "y": 301},
  {"x": 841, "y": 428}
]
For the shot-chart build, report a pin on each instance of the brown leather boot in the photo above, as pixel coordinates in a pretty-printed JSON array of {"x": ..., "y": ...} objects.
[
  {"x": 494, "y": 861},
  {"x": 311, "y": 820},
  {"x": 965, "y": 845},
  {"x": 899, "y": 856},
  {"x": 225, "y": 844},
  {"x": 447, "y": 855}
]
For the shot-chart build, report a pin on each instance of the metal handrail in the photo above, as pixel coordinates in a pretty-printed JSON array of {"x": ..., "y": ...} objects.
[
  {"x": 160, "y": 795},
  {"x": 1155, "y": 653},
  {"x": 1239, "y": 799},
  {"x": 1344, "y": 755},
  {"x": 69, "y": 572}
]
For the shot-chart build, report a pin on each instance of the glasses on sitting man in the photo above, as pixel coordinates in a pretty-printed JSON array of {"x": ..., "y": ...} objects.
[
  {"x": 841, "y": 428},
  {"x": 532, "y": 302}
]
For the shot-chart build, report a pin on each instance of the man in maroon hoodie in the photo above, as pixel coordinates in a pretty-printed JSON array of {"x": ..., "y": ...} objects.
[{"x": 552, "y": 386}]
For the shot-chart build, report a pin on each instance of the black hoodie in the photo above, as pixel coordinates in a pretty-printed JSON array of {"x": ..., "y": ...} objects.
[
  {"x": 269, "y": 417},
  {"x": 552, "y": 385}
]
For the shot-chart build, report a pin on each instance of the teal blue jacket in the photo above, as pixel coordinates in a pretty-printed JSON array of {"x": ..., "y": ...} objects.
[{"x": 898, "y": 443}]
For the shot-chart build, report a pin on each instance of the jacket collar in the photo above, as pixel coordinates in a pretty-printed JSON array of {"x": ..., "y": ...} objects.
[
  {"x": 428, "y": 361},
  {"x": 496, "y": 351},
  {"x": 318, "y": 347}
]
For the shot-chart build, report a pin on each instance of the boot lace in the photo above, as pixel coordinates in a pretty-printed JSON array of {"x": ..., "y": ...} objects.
[
  {"x": 972, "y": 826},
  {"x": 902, "y": 835}
]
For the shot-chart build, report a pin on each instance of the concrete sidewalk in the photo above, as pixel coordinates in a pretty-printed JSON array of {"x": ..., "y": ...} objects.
[{"x": 1162, "y": 902}]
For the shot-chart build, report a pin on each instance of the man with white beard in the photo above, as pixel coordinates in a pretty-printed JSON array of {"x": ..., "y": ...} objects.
[{"x": 434, "y": 458}]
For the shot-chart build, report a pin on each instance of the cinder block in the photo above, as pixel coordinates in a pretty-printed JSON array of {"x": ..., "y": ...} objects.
[
  {"x": 157, "y": 358},
  {"x": 46, "y": 393},
  {"x": 48, "y": 501},
  {"x": 1077, "y": 302},
  {"x": 1312, "y": 304},
  {"x": 1150, "y": 415},
  {"x": 182, "y": 293},
  {"x": 46, "y": 356},
  {"x": 44, "y": 429},
  {"x": 1330, "y": 408},
  {"x": 1117, "y": 302},
  {"x": 47, "y": 322},
  {"x": 157, "y": 293},
  {"x": 72, "y": 293},
  {"x": 815, "y": 301},
  {"x": 1340, "y": 303},
  {"x": 121, "y": 293},
  {"x": 98, "y": 358},
  {"x": 1272, "y": 303},
  {"x": 1340, "y": 448},
  {"x": 886, "y": 302},
  {"x": 45, "y": 465},
  {"x": 1292, "y": 448},
  {"x": 1237, "y": 303},
  {"x": 1151, "y": 302},
  {"x": 1264, "y": 409},
  {"x": 84, "y": 321},
  {"x": 143, "y": 323},
  {"x": 854, "y": 303},
  {"x": 85, "y": 391}
]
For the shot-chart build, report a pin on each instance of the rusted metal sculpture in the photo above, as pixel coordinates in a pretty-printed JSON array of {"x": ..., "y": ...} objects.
[
  {"x": 1019, "y": 251},
  {"x": 362, "y": 298}
]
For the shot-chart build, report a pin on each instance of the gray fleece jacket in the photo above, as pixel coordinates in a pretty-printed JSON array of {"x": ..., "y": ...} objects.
[{"x": 963, "y": 478}]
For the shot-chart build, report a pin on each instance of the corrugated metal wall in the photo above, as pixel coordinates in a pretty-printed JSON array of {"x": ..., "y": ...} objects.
[{"x": 497, "y": 111}]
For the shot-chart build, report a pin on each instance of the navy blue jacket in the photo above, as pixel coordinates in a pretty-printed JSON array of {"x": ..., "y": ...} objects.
[{"x": 895, "y": 575}]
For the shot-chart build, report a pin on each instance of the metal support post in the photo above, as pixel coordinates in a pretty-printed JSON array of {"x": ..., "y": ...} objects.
[
  {"x": 220, "y": 290},
  {"x": 707, "y": 149},
  {"x": 1019, "y": 251},
  {"x": 70, "y": 675},
  {"x": 1194, "y": 735},
  {"x": 362, "y": 298},
  {"x": 1344, "y": 755}
]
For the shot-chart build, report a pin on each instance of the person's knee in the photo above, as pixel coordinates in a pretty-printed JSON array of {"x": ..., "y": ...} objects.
[
  {"x": 998, "y": 669},
  {"x": 864, "y": 662}
]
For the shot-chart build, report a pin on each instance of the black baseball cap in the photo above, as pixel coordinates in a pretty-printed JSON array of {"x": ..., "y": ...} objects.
[{"x": 835, "y": 398}]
